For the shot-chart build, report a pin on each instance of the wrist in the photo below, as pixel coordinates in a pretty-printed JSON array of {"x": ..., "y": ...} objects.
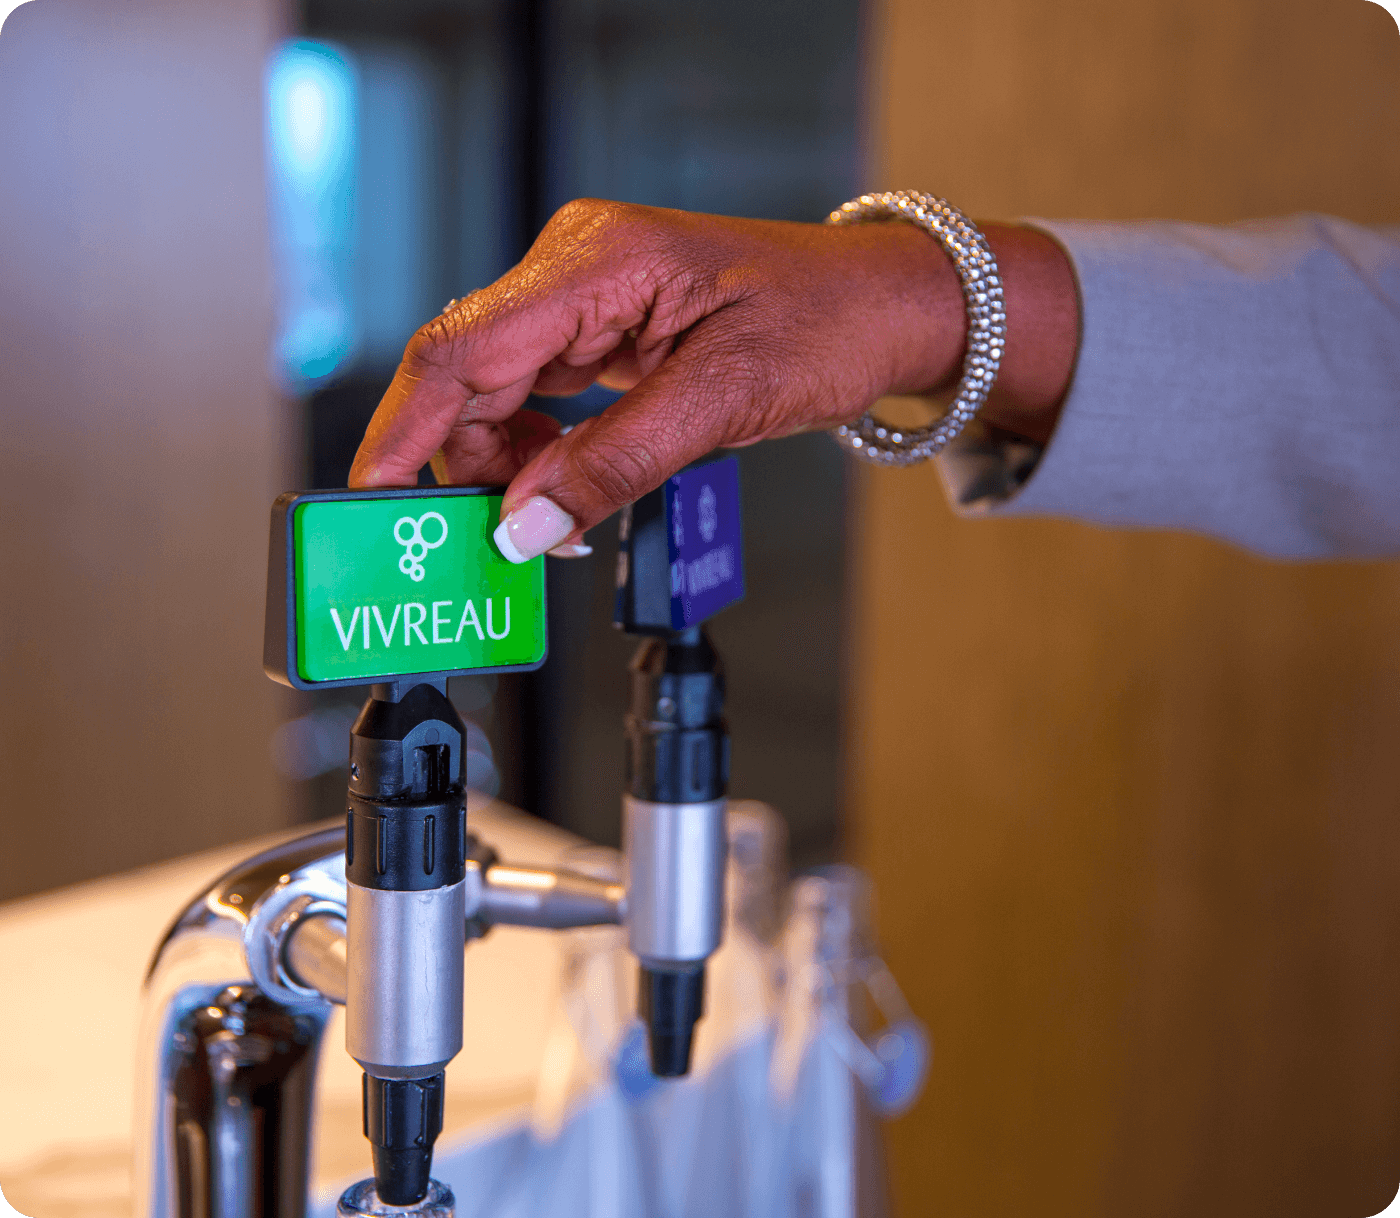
[
  {"x": 926, "y": 331},
  {"x": 924, "y": 321},
  {"x": 1042, "y": 331}
]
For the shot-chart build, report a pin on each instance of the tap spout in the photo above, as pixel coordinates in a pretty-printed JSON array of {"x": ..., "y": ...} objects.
[{"x": 547, "y": 898}]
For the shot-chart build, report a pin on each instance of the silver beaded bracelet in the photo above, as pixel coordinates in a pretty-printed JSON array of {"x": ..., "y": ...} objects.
[{"x": 867, "y": 437}]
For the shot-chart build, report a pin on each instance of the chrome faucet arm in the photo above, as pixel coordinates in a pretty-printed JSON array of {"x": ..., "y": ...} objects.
[
  {"x": 236, "y": 1000},
  {"x": 313, "y": 955},
  {"x": 545, "y": 897}
]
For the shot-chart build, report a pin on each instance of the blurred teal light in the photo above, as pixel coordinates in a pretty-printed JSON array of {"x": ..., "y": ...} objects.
[{"x": 312, "y": 99}]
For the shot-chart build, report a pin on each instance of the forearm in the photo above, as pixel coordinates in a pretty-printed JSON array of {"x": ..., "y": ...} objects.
[{"x": 1241, "y": 381}]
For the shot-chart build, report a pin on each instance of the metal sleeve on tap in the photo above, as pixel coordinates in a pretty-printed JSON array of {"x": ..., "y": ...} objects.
[
  {"x": 675, "y": 890},
  {"x": 403, "y": 1005}
]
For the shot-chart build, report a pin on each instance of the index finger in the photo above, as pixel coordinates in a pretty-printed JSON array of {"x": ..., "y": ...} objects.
[
  {"x": 476, "y": 363},
  {"x": 593, "y": 276}
]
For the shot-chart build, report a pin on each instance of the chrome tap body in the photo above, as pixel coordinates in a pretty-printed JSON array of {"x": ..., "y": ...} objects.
[
  {"x": 674, "y": 830},
  {"x": 235, "y": 1003},
  {"x": 405, "y": 871}
]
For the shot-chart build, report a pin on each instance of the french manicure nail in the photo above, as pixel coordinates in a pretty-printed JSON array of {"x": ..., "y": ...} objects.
[
  {"x": 537, "y": 525},
  {"x": 570, "y": 551}
]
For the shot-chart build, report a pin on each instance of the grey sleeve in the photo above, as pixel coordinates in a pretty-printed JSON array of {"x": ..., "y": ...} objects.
[{"x": 1241, "y": 381}]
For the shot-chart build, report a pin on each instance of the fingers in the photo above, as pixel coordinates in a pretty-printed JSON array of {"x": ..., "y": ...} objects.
[
  {"x": 602, "y": 276},
  {"x": 558, "y": 379},
  {"x": 466, "y": 373},
  {"x": 495, "y": 452},
  {"x": 471, "y": 367},
  {"x": 480, "y": 452},
  {"x": 624, "y": 367},
  {"x": 428, "y": 402},
  {"x": 620, "y": 368}
]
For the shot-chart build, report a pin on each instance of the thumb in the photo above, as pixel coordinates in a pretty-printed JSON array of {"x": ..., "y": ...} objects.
[{"x": 704, "y": 396}]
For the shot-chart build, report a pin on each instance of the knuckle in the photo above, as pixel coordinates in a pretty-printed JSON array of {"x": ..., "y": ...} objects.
[
  {"x": 443, "y": 343},
  {"x": 625, "y": 238},
  {"x": 427, "y": 347},
  {"x": 593, "y": 216}
]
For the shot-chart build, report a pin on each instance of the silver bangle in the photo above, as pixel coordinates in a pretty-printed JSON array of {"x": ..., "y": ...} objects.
[{"x": 867, "y": 437}]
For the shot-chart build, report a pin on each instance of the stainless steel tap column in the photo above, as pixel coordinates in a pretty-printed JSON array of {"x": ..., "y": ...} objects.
[
  {"x": 405, "y": 870},
  {"x": 674, "y": 831}
]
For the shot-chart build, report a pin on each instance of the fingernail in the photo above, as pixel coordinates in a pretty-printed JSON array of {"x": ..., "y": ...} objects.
[
  {"x": 537, "y": 525},
  {"x": 570, "y": 551}
]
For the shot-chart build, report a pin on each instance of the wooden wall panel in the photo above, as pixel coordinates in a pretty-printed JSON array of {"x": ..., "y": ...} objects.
[{"x": 1131, "y": 800}]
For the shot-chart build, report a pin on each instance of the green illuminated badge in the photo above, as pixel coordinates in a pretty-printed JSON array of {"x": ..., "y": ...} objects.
[{"x": 396, "y": 583}]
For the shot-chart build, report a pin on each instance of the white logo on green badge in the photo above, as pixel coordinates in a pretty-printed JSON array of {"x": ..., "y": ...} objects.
[{"x": 415, "y": 545}]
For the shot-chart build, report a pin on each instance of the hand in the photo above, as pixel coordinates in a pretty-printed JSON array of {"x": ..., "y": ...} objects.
[{"x": 723, "y": 331}]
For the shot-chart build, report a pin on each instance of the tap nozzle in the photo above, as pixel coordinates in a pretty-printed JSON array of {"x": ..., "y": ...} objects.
[
  {"x": 403, "y": 1117},
  {"x": 670, "y": 1002}
]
